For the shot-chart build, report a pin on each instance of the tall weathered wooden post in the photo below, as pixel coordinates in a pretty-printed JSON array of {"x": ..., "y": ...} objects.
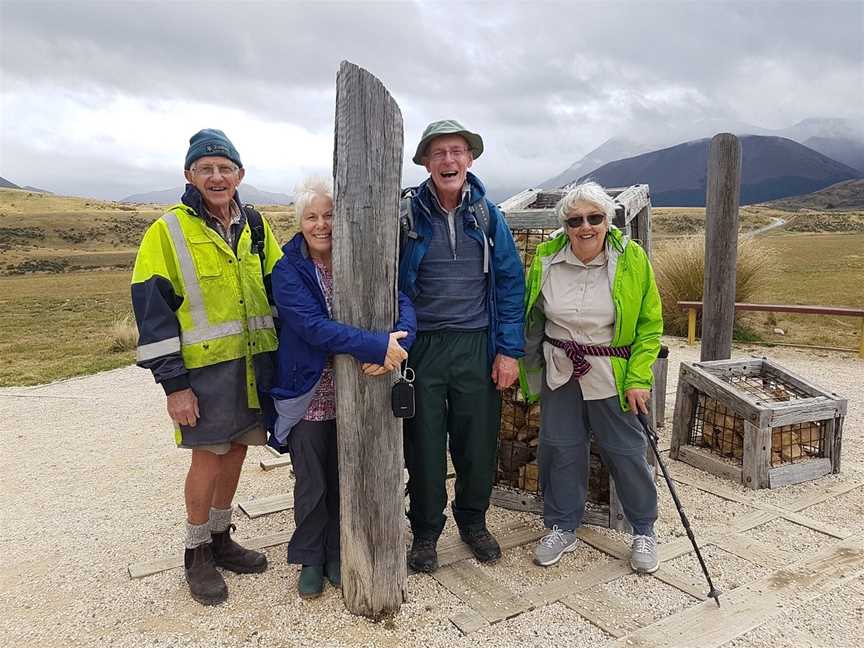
[
  {"x": 367, "y": 175},
  {"x": 721, "y": 246}
]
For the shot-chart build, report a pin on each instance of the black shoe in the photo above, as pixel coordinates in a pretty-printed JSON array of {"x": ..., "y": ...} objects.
[
  {"x": 483, "y": 545},
  {"x": 333, "y": 572},
  {"x": 310, "y": 584},
  {"x": 423, "y": 556},
  {"x": 205, "y": 582},
  {"x": 231, "y": 556}
]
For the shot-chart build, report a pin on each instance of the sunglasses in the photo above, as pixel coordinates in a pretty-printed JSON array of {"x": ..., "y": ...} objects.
[{"x": 593, "y": 219}]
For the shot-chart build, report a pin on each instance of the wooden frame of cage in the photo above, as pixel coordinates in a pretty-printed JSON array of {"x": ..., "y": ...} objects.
[
  {"x": 761, "y": 420},
  {"x": 532, "y": 210}
]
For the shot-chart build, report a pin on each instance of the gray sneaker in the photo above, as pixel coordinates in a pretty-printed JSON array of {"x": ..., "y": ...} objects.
[
  {"x": 554, "y": 545},
  {"x": 643, "y": 554}
]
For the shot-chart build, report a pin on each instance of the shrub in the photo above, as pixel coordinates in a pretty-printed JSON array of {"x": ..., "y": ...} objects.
[
  {"x": 680, "y": 269},
  {"x": 123, "y": 335}
]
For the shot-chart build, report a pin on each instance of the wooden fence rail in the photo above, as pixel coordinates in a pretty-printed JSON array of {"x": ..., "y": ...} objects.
[{"x": 692, "y": 307}]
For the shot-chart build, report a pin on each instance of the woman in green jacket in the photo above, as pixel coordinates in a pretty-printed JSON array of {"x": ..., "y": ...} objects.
[{"x": 593, "y": 326}]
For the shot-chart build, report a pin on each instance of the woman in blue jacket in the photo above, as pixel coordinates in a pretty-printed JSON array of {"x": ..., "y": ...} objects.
[{"x": 304, "y": 391}]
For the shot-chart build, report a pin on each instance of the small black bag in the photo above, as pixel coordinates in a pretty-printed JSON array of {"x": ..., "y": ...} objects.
[{"x": 402, "y": 395}]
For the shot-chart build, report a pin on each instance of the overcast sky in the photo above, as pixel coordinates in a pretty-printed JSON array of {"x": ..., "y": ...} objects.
[{"x": 100, "y": 98}]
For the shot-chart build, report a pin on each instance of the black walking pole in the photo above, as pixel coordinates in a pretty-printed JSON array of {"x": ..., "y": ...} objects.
[{"x": 652, "y": 439}]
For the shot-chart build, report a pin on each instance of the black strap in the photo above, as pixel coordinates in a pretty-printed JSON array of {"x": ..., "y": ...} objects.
[
  {"x": 256, "y": 226},
  {"x": 406, "y": 215}
]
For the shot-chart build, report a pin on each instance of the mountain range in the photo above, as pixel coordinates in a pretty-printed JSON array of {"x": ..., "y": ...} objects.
[
  {"x": 840, "y": 140},
  {"x": 248, "y": 194},
  {"x": 771, "y": 167},
  {"x": 6, "y": 184}
]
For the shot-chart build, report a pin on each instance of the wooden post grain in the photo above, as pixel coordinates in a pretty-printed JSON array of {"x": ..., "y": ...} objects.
[
  {"x": 721, "y": 246},
  {"x": 367, "y": 174}
]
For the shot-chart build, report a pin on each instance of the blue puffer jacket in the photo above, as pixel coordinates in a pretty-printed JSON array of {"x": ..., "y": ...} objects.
[
  {"x": 505, "y": 286},
  {"x": 308, "y": 334}
]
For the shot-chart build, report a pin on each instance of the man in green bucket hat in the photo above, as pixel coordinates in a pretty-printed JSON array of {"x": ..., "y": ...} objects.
[{"x": 460, "y": 267}]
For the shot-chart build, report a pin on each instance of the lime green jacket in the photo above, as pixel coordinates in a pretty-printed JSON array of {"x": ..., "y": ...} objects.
[
  {"x": 198, "y": 303},
  {"x": 638, "y": 314}
]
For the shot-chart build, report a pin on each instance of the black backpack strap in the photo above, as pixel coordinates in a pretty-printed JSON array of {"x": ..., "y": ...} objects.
[
  {"x": 256, "y": 227},
  {"x": 481, "y": 210},
  {"x": 406, "y": 216}
]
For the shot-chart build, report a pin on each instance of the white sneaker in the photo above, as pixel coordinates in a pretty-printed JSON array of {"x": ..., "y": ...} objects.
[
  {"x": 554, "y": 545},
  {"x": 643, "y": 554}
]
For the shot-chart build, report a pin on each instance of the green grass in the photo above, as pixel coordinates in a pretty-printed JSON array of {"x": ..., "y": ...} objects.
[
  {"x": 57, "y": 326},
  {"x": 64, "y": 282},
  {"x": 813, "y": 269}
]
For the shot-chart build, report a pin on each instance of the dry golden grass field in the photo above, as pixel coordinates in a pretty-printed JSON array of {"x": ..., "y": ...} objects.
[
  {"x": 66, "y": 265},
  {"x": 64, "y": 282}
]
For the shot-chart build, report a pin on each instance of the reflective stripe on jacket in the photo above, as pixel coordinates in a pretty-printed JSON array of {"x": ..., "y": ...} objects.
[
  {"x": 196, "y": 302},
  {"x": 638, "y": 314}
]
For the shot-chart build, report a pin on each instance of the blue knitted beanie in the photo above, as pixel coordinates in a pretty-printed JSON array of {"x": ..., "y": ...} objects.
[{"x": 211, "y": 141}]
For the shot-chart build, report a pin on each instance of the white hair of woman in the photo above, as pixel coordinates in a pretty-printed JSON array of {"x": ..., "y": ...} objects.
[
  {"x": 309, "y": 189},
  {"x": 589, "y": 192}
]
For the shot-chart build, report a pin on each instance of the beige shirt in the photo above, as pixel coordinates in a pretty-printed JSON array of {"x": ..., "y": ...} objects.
[{"x": 577, "y": 301}]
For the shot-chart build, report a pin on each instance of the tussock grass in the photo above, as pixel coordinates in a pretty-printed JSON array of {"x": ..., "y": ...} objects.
[
  {"x": 680, "y": 270},
  {"x": 123, "y": 335}
]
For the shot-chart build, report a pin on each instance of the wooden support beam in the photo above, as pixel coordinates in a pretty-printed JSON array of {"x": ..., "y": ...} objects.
[
  {"x": 752, "y": 605},
  {"x": 604, "y": 610},
  {"x": 520, "y": 201},
  {"x": 632, "y": 201},
  {"x": 486, "y": 596},
  {"x": 753, "y": 550},
  {"x": 367, "y": 177},
  {"x": 265, "y": 505},
  {"x": 721, "y": 246},
  {"x": 269, "y": 463}
]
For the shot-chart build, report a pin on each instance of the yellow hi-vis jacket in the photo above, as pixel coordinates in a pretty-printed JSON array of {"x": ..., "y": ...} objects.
[{"x": 197, "y": 303}]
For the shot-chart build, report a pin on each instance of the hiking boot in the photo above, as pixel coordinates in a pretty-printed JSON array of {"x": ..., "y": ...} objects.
[
  {"x": 206, "y": 584},
  {"x": 311, "y": 581},
  {"x": 333, "y": 571},
  {"x": 484, "y": 547},
  {"x": 554, "y": 545},
  {"x": 231, "y": 556},
  {"x": 643, "y": 554},
  {"x": 423, "y": 557}
]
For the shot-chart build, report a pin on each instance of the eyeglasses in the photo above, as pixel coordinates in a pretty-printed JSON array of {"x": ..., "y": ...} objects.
[
  {"x": 593, "y": 219},
  {"x": 455, "y": 153},
  {"x": 208, "y": 170}
]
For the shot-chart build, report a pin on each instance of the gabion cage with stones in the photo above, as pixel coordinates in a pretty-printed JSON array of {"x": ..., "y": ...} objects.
[
  {"x": 517, "y": 484},
  {"x": 755, "y": 422}
]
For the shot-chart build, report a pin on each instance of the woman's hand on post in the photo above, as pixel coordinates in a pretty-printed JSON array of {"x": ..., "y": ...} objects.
[
  {"x": 637, "y": 399},
  {"x": 395, "y": 353},
  {"x": 372, "y": 369},
  {"x": 183, "y": 407}
]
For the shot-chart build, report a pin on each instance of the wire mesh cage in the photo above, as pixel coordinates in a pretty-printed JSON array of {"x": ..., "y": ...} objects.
[{"x": 754, "y": 421}]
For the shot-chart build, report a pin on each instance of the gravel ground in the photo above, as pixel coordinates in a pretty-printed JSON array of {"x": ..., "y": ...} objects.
[{"x": 92, "y": 483}]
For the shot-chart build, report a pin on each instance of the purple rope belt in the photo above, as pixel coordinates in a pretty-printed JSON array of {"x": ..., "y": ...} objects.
[{"x": 577, "y": 352}]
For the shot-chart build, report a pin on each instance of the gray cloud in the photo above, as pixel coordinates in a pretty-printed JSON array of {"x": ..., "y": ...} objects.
[{"x": 544, "y": 83}]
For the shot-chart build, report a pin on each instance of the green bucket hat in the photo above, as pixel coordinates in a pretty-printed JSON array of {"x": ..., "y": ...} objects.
[{"x": 447, "y": 127}]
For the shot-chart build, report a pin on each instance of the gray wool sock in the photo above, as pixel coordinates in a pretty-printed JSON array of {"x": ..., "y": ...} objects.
[
  {"x": 197, "y": 535},
  {"x": 220, "y": 519}
]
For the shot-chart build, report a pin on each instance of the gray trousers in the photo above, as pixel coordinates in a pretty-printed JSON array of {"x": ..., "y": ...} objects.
[
  {"x": 566, "y": 423},
  {"x": 314, "y": 457}
]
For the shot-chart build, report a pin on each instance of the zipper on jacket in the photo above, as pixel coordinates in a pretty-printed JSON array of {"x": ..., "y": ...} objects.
[{"x": 485, "y": 240}]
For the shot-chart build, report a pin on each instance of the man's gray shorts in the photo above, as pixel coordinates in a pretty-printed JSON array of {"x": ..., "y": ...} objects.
[{"x": 255, "y": 436}]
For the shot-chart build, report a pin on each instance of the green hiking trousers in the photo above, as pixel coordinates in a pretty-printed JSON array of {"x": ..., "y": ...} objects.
[{"x": 455, "y": 401}]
